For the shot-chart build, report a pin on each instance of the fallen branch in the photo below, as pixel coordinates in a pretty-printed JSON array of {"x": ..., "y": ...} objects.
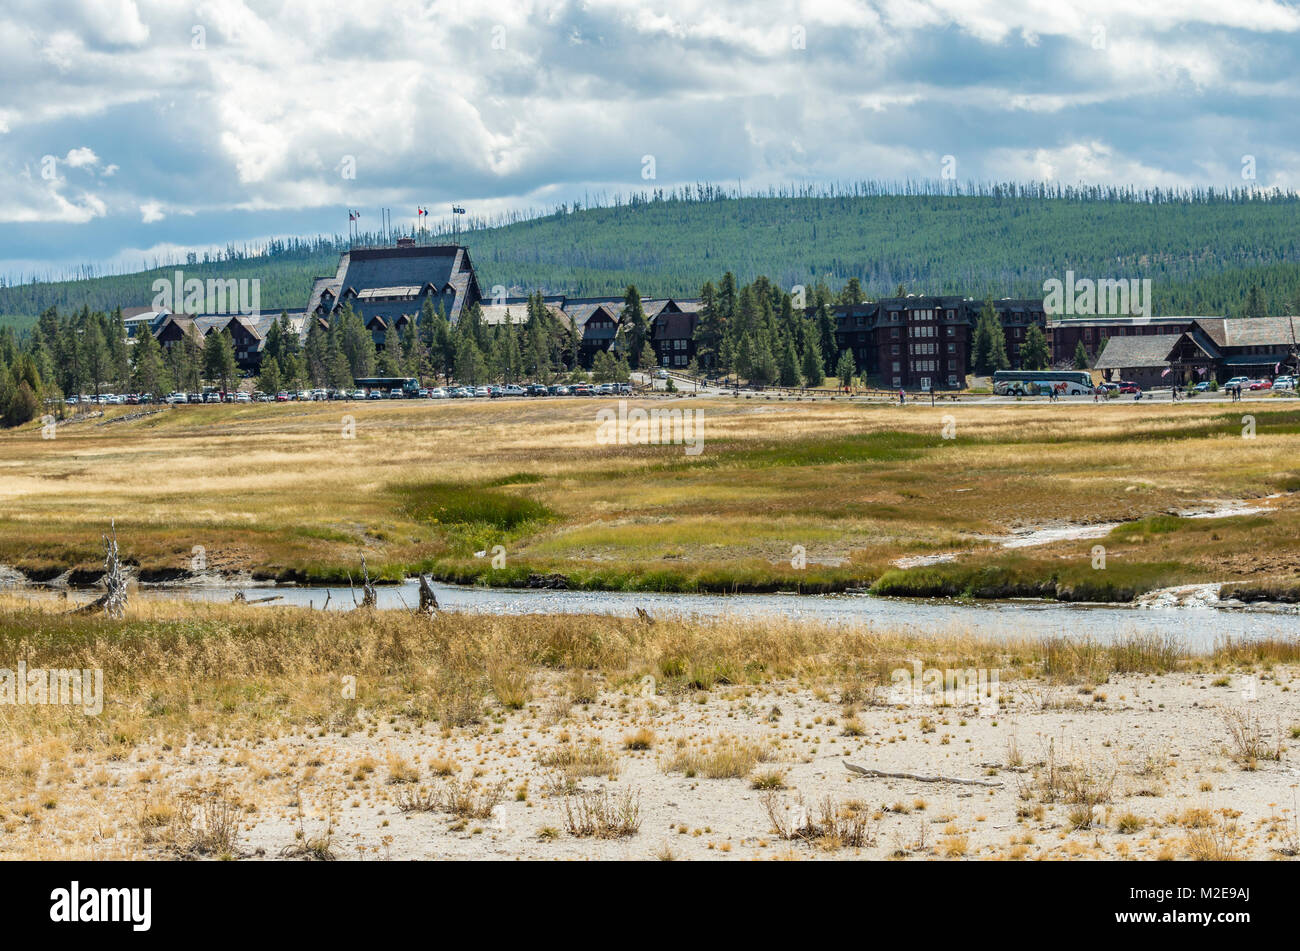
[{"x": 863, "y": 771}]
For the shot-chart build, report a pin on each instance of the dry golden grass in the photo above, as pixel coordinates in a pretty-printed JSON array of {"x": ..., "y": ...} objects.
[{"x": 277, "y": 490}]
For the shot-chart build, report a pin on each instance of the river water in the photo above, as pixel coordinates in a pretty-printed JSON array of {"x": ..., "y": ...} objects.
[{"x": 1197, "y": 627}]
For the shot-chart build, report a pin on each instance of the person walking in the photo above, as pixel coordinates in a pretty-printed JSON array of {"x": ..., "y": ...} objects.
[{"x": 902, "y": 397}]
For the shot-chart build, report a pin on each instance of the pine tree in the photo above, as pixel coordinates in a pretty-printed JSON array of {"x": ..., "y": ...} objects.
[
  {"x": 94, "y": 355},
  {"x": 392, "y": 360},
  {"x": 1034, "y": 354},
  {"x": 633, "y": 320},
  {"x": 789, "y": 370},
  {"x": 219, "y": 358},
  {"x": 825, "y": 328},
  {"x": 150, "y": 374},
  {"x": 470, "y": 366},
  {"x": 1256, "y": 302},
  {"x": 852, "y": 292},
  {"x": 268, "y": 381},
  {"x": 989, "y": 348},
  {"x": 845, "y": 368},
  {"x": 1080, "y": 356},
  {"x": 814, "y": 373},
  {"x": 710, "y": 329}
]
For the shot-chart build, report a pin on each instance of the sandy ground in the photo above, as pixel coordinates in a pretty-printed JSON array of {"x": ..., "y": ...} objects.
[{"x": 1153, "y": 755}]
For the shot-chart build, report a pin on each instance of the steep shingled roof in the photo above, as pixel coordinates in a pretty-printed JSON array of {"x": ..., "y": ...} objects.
[{"x": 1124, "y": 353}]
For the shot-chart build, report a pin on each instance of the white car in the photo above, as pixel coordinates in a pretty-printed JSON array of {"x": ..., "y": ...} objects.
[
  {"x": 1284, "y": 383},
  {"x": 1242, "y": 381},
  {"x": 437, "y": 393},
  {"x": 513, "y": 389},
  {"x": 661, "y": 375}
]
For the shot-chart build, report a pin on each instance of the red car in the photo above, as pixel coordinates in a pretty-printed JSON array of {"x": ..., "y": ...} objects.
[
  {"x": 1126, "y": 387},
  {"x": 1262, "y": 385}
]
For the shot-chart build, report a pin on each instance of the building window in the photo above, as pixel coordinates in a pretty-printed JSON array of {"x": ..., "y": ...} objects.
[
  {"x": 952, "y": 348},
  {"x": 897, "y": 366},
  {"x": 952, "y": 380},
  {"x": 894, "y": 350},
  {"x": 893, "y": 333},
  {"x": 898, "y": 381}
]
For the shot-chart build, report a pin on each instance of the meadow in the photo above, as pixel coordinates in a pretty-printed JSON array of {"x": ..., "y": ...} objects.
[{"x": 786, "y": 495}]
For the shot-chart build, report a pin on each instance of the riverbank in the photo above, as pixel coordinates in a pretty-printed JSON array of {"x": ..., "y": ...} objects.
[{"x": 236, "y": 732}]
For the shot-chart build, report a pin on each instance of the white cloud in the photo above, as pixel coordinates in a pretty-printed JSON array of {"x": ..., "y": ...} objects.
[
  {"x": 81, "y": 158},
  {"x": 261, "y": 117}
]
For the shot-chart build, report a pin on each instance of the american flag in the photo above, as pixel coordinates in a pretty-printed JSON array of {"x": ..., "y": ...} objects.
[{"x": 1166, "y": 371}]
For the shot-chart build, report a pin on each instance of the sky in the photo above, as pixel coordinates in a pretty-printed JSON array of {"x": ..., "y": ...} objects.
[{"x": 133, "y": 130}]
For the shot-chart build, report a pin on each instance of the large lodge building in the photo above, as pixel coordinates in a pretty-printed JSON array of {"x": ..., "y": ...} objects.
[{"x": 916, "y": 342}]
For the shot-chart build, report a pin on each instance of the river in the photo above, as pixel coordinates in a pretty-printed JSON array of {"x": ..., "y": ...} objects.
[{"x": 1197, "y": 627}]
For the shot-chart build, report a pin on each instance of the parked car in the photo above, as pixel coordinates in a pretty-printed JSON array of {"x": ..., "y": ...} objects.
[
  {"x": 1127, "y": 387},
  {"x": 1202, "y": 386},
  {"x": 1242, "y": 381},
  {"x": 1261, "y": 385},
  {"x": 661, "y": 374},
  {"x": 513, "y": 389},
  {"x": 482, "y": 392},
  {"x": 582, "y": 389},
  {"x": 1284, "y": 383}
]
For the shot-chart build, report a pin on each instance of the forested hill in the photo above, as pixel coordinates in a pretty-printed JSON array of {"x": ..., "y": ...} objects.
[{"x": 1202, "y": 251}]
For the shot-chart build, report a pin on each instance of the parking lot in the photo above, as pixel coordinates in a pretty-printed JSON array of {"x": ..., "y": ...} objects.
[{"x": 320, "y": 394}]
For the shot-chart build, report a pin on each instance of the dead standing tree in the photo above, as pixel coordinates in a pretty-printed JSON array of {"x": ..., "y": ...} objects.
[
  {"x": 369, "y": 596},
  {"x": 113, "y": 600},
  {"x": 428, "y": 600}
]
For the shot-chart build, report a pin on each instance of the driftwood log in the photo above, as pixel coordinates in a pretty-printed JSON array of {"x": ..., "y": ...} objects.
[
  {"x": 864, "y": 771},
  {"x": 242, "y": 598},
  {"x": 644, "y": 615}
]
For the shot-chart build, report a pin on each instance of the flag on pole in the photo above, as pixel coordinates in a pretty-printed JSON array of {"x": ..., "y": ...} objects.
[
  {"x": 1166, "y": 371},
  {"x": 1200, "y": 371}
]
